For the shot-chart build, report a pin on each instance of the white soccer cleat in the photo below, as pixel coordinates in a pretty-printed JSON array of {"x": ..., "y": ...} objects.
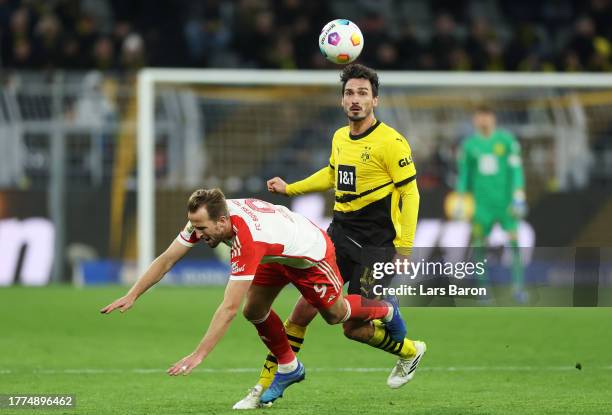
[
  {"x": 251, "y": 401},
  {"x": 404, "y": 369}
]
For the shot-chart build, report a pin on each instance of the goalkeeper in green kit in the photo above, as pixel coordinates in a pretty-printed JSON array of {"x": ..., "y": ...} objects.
[{"x": 490, "y": 169}]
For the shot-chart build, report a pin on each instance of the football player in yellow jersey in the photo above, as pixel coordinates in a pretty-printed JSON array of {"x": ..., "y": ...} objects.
[{"x": 375, "y": 215}]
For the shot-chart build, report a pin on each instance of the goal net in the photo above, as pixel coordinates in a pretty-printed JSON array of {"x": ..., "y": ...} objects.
[{"x": 239, "y": 128}]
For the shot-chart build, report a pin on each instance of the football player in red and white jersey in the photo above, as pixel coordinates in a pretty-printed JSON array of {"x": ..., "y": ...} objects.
[{"x": 271, "y": 246}]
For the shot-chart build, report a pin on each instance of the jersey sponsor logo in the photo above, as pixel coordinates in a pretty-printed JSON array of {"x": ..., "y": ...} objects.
[
  {"x": 488, "y": 165},
  {"x": 237, "y": 268},
  {"x": 346, "y": 178},
  {"x": 406, "y": 161}
]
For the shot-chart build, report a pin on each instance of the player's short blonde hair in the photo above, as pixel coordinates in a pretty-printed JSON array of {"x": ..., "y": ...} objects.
[
  {"x": 484, "y": 107},
  {"x": 212, "y": 199}
]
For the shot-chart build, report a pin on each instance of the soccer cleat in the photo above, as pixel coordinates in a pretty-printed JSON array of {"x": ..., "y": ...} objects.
[
  {"x": 251, "y": 401},
  {"x": 520, "y": 296},
  {"x": 281, "y": 382},
  {"x": 404, "y": 369},
  {"x": 396, "y": 326}
]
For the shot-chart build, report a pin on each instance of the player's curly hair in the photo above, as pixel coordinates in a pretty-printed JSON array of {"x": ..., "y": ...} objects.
[
  {"x": 357, "y": 70},
  {"x": 212, "y": 199}
]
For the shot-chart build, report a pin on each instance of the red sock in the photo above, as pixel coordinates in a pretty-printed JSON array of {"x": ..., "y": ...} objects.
[
  {"x": 272, "y": 333},
  {"x": 364, "y": 309}
]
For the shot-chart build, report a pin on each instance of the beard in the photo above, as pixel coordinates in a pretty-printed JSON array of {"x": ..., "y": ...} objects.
[
  {"x": 356, "y": 117},
  {"x": 212, "y": 242}
]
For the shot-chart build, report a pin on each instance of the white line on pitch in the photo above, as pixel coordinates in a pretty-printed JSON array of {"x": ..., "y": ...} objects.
[{"x": 94, "y": 371}]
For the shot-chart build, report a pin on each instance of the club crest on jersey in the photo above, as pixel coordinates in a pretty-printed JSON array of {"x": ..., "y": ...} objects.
[
  {"x": 365, "y": 156},
  {"x": 499, "y": 149}
]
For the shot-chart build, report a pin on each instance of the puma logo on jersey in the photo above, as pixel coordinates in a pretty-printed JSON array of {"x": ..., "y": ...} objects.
[{"x": 405, "y": 161}]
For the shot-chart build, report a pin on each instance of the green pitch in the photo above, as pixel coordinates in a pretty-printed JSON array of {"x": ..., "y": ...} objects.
[{"x": 479, "y": 360}]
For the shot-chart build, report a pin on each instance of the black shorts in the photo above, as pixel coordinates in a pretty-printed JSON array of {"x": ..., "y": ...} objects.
[{"x": 356, "y": 262}]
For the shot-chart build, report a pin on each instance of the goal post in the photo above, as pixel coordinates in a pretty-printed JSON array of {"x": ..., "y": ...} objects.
[{"x": 449, "y": 87}]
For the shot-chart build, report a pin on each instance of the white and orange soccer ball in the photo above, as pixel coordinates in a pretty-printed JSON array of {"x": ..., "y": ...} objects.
[{"x": 341, "y": 41}]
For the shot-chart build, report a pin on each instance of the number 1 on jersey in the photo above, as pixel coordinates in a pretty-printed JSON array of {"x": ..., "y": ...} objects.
[{"x": 346, "y": 178}]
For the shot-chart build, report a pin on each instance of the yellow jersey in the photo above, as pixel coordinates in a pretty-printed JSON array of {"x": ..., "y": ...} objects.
[{"x": 368, "y": 172}]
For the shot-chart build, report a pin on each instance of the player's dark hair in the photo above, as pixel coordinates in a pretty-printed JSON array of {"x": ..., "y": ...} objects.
[
  {"x": 357, "y": 70},
  {"x": 212, "y": 199}
]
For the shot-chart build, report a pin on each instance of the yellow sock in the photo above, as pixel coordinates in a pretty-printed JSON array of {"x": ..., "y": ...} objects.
[
  {"x": 382, "y": 340},
  {"x": 295, "y": 334}
]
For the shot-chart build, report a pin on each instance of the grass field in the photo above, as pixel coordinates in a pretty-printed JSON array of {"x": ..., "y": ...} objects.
[{"x": 479, "y": 360}]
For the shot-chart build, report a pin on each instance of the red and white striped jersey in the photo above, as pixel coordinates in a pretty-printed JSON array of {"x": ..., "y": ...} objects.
[{"x": 264, "y": 233}]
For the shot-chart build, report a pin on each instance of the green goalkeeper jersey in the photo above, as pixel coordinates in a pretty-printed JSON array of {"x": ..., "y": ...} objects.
[{"x": 490, "y": 168}]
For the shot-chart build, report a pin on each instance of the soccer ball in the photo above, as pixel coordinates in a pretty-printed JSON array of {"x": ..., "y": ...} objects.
[
  {"x": 459, "y": 206},
  {"x": 341, "y": 41}
]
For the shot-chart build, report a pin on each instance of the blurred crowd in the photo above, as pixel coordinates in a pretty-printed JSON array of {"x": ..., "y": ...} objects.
[{"x": 479, "y": 35}]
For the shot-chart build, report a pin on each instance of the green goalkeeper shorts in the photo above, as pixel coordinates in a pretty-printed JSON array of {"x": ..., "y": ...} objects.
[{"x": 487, "y": 216}]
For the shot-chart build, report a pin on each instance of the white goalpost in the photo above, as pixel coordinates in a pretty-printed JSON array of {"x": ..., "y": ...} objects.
[{"x": 456, "y": 84}]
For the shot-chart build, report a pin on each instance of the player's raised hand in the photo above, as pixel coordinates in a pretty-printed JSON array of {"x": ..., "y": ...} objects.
[
  {"x": 185, "y": 365},
  {"x": 123, "y": 304},
  {"x": 277, "y": 185}
]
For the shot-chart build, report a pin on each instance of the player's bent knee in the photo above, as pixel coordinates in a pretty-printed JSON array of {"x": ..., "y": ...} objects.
[
  {"x": 331, "y": 316},
  {"x": 254, "y": 313},
  {"x": 358, "y": 332},
  {"x": 349, "y": 330},
  {"x": 303, "y": 313}
]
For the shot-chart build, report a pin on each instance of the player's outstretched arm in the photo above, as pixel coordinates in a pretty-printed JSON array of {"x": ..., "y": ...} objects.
[
  {"x": 320, "y": 181},
  {"x": 234, "y": 294},
  {"x": 156, "y": 271},
  {"x": 277, "y": 185}
]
